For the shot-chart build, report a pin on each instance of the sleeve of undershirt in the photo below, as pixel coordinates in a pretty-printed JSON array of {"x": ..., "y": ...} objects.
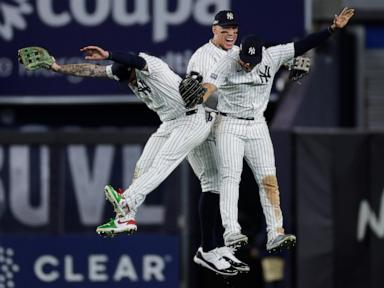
[{"x": 118, "y": 72}]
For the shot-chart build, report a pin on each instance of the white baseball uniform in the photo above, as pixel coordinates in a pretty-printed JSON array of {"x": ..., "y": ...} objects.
[
  {"x": 203, "y": 159},
  {"x": 242, "y": 132},
  {"x": 180, "y": 132}
]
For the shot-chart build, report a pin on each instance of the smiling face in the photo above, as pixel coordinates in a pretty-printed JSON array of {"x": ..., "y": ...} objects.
[{"x": 224, "y": 37}]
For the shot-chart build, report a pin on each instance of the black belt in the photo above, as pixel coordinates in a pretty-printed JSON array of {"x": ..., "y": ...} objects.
[
  {"x": 191, "y": 112},
  {"x": 241, "y": 118}
]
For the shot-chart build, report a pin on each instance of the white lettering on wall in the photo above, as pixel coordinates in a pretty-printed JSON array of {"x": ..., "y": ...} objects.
[
  {"x": 89, "y": 181},
  {"x": 368, "y": 219},
  {"x": 76, "y": 11},
  {"x": 20, "y": 185}
]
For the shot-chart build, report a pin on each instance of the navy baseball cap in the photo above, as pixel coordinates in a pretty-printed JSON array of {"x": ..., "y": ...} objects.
[
  {"x": 225, "y": 18},
  {"x": 251, "y": 49}
]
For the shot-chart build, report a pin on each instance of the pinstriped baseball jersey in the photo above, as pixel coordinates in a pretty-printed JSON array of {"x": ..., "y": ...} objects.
[
  {"x": 246, "y": 94},
  {"x": 242, "y": 133},
  {"x": 158, "y": 88}
]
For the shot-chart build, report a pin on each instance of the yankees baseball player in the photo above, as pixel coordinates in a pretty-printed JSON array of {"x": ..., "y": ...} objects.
[
  {"x": 181, "y": 130},
  {"x": 203, "y": 159},
  {"x": 244, "y": 78}
]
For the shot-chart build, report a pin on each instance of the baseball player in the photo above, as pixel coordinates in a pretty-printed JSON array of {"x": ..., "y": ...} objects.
[
  {"x": 244, "y": 78},
  {"x": 158, "y": 87},
  {"x": 203, "y": 159}
]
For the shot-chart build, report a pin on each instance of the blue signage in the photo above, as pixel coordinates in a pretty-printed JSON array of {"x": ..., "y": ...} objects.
[
  {"x": 89, "y": 261},
  {"x": 374, "y": 37}
]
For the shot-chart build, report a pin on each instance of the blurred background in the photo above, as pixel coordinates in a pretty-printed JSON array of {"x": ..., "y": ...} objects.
[{"x": 63, "y": 138}]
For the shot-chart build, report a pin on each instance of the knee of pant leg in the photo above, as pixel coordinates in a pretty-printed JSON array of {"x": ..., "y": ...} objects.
[
  {"x": 209, "y": 187},
  {"x": 210, "y": 183},
  {"x": 271, "y": 188},
  {"x": 272, "y": 193},
  {"x": 230, "y": 175},
  {"x": 211, "y": 191},
  {"x": 136, "y": 173},
  {"x": 140, "y": 168}
]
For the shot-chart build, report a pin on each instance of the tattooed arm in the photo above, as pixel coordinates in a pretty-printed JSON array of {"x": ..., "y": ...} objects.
[{"x": 81, "y": 70}]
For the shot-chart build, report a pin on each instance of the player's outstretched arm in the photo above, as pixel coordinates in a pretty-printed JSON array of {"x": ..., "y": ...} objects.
[
  {"x": 34, "y": 58},
  {"x": 85, "y": 69},
  {"x": 81, "y": 70},
  {"x": 315, "y": 39}
]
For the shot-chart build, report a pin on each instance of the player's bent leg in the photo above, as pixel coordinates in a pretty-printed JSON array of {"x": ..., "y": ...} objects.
[
  {"x": 187, "y": 135},
  {"x": 214, "y": 262},
  {"x": 281, "y": 242},
  {"x": 229, "y": 254},
  {"x": 151, "y": 149}
]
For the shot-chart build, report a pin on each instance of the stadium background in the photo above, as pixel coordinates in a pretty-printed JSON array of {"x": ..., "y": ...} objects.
[{"x": 62, "y": 139}]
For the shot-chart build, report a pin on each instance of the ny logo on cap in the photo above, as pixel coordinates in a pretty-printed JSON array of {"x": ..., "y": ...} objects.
[
  {"x": 230, "y": 16},
  {"x": 251, "y": 51}
]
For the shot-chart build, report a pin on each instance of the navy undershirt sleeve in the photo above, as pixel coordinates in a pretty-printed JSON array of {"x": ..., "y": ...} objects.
[
  {"x": 128, "y": 59},
  {"x": 121, "y": 71},
  {"x": 311, "y": 41}
]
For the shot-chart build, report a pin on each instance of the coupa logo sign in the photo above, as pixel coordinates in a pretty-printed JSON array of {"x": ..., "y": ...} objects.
[
  {"x": 8, "y": 268},
  {"x": 14, "y": 14}
]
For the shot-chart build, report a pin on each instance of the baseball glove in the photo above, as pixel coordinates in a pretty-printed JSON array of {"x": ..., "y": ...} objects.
[
  {"x": 298, "y": 67},
  {"x": 191, "y": 90},
  {"x": 34, "y": 58}
]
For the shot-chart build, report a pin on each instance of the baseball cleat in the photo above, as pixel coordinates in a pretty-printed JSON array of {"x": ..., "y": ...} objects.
[
  {"x": 117, "y": 226},
  {"x": 228, "y": 254},
  {"x": 236, "y": 240},
  {"x": 117, "y": 200},
  {"x": 281, "y": 242},
  {"x": 213, "y": 261}
]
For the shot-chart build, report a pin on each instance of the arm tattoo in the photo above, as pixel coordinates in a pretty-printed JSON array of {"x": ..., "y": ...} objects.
[{"x": 83, "y": 70}]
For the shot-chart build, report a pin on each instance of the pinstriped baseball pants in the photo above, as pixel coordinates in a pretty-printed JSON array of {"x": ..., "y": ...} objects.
[
  {"x": 176, "y": 138},
  {"x": 237, "y": 139}
]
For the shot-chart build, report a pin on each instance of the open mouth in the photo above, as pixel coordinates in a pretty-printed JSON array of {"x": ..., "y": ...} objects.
[{"x": 229, "y": 41}]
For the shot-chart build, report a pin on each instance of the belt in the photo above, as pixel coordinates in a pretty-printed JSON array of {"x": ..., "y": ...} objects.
[
  {"x": 191, "y": 112},
  {"x": 241, "y": 118},
  {"x": 188, "y": 113}
]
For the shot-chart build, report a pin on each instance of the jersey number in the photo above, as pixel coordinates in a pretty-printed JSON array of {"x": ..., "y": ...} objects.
[{"x": 143, "y": 87}]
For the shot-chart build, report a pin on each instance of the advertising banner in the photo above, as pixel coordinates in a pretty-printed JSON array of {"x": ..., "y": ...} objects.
[
  {"x": 170, "y": 29},
  {"x": 139, "y": 261},
  {"x": 58, "y": 187}
]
